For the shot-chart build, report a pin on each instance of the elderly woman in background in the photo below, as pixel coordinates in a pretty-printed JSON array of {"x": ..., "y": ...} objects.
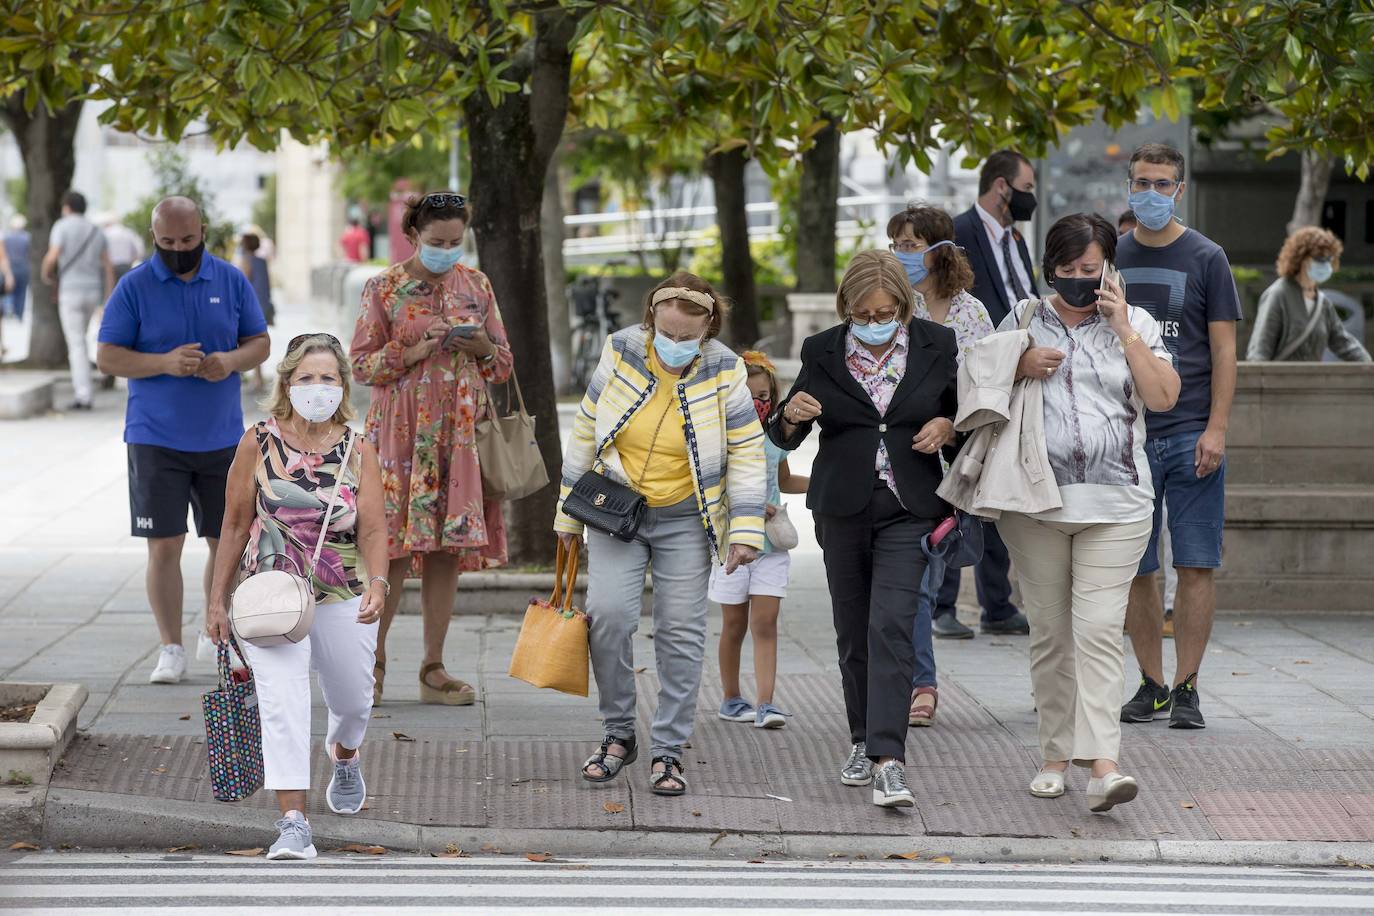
[
  {"x": 1297, "y": 322},
  {"x": 881, "y": 386},
  {"x": 669, "y": 414}
]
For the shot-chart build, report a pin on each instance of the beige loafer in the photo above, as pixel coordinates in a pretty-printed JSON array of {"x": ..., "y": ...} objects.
[
  {"x": 1108, "y": 791},
  {"x": 1047, "y": 784}
]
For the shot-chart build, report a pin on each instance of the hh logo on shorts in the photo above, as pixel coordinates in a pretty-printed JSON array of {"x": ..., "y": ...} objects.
[{"x": 144, "y": 523}]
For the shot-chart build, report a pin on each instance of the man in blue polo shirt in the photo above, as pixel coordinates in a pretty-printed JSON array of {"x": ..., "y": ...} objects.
[{"x": 181, "y": 327}]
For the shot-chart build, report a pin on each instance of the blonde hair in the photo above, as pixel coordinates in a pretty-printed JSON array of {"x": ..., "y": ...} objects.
[
  {"x": 874, "y": 269},
  {"x": 278, "y": 403}
]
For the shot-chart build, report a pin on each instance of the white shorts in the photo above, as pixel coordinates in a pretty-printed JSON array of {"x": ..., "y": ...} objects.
[{"x": 765, "y": 576}]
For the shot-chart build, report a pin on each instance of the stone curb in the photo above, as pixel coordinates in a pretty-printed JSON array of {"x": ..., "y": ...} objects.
[
  {"x": 32, "y": 748},
  {"x": 98, "y": 820}
]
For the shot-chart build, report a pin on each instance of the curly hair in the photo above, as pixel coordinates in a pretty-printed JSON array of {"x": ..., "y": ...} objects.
[
  {"x": 1307, "y": 242},
  {"x": 948, "y": 264}
]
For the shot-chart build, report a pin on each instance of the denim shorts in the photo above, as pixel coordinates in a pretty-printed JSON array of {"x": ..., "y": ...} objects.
[{"x": 1197, "y": 505}]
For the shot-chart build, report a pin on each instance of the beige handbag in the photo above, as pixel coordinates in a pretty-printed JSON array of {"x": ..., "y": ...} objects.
[
  {"x": 512, "y": 467},
  {"x": 780, "y": 531},
  {"x": 275, "y": 607}
]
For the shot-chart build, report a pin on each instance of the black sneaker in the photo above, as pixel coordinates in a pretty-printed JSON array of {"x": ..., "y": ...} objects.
[
  {"x": 947, "y": 626},
  {"x": 1186, "y": 713},
  {"x": 1151, "y": 699}
]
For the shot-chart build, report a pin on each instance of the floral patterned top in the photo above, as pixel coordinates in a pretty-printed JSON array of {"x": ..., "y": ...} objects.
[
  {"x": 423, "y": 418},
  {"x": 967, "y": 318},
  {"x": 879, "y": 378},
  {"x": 293, "y": 489}
]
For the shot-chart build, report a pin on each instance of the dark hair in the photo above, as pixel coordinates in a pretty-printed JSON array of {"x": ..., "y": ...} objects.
[
  {"x": 1126, "y": 217},
  {"x": 1070, "y": 237},
  {"x": 74, "y": 201},
  {"x": 1005, "y": 163},
  {"x": 751, "y": 370},
  {"x": 420, "y": 212},
  {"x": 354, "y": 221},
  {"x": 250, "y": 242},
  {"x": 688, "y": 281},
  {"x": 948, "y": 265},
  {"x": 1157, "y": 154}
]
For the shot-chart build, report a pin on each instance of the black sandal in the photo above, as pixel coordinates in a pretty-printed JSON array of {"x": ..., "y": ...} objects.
[
  {"x": 672, "y": 769},
  {"x": 610, "y": 763}
]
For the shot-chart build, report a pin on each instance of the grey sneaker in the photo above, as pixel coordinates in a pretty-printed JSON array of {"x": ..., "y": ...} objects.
[
  {"x": 889, "y": 787},
  {"x": 294, "y": 841},
  {"x": 858, "y": 769},
  {"x": 347, "y": 792}
]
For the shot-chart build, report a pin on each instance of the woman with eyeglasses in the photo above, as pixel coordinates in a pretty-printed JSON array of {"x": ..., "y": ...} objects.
[
  {"x": 429, "y": 340},
  {"x": 668, "y": 414},
  {"x": 280, "y": 485},
  {"x": 881, "y": 386}
]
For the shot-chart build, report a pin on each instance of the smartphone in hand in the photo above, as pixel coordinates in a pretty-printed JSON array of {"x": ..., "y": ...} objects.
[{"x": 457, "y": 332}]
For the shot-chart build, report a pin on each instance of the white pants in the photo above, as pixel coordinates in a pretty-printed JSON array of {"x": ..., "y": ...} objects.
[
  {"x": 341, "y": 651},
  {"x": 1166, "y": 561},
  {"x": 75, "y": 309},
  {"x": 1075, "y": 581}
]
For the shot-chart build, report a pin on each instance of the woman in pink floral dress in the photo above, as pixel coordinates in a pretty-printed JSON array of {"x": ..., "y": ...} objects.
[{"x": 429, "y": 339}]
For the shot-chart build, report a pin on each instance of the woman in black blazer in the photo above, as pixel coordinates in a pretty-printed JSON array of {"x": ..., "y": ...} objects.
[{"x": 881, "y": 386}]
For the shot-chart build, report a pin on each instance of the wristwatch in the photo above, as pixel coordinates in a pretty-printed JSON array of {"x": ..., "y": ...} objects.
[{"x": 386, "y": 584}]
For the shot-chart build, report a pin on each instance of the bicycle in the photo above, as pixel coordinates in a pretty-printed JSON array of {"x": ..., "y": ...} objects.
[{"x": 593, "y": 301}]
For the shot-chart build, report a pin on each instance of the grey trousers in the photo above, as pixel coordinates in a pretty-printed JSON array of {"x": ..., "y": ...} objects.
[{"x": 673, "y": 539}]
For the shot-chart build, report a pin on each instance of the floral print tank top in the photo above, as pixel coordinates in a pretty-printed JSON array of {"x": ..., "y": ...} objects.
[{"x": 293, "y": 488}]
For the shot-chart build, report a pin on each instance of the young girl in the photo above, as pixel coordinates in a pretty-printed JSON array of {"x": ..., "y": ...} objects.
[{"x": 750, "y": 598}]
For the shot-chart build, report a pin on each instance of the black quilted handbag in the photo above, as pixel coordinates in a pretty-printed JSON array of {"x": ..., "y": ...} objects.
[{"x": 601, "y": 503}]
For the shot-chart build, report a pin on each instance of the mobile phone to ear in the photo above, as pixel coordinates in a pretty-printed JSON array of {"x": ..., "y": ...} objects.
[{"x": 459, "y": 331}]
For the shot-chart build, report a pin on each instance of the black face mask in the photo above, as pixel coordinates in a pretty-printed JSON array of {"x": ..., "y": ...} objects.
[
  {"x": 181, "y": 262},
  {"x": 1077, "y": 292},
  {"x": 1020, "y": 205}
]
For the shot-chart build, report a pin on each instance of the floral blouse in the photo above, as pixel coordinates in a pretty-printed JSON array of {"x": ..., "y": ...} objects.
[
  {"x": 967, "y": 318},
  {"x": 879, "y": 378}
]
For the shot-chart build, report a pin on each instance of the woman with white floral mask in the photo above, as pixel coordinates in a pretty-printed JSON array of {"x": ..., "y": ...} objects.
[
  {"x": 1297, "y": 322},
  {"x": 284, "y": 473}
]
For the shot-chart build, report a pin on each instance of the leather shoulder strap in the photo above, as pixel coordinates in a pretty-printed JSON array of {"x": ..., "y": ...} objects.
[{"x": 333, "y": 498}]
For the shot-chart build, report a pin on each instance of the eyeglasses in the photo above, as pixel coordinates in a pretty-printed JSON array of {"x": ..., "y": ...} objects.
[
  {"x": 302, "y": 338},
  {"x": 865, "y": 320},
  {"x": 1165, "y": 186},
  {"x": 445, "y": 201},
  {"x": 906, "y": 247}
]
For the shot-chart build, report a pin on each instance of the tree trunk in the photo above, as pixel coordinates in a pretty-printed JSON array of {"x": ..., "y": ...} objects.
[
  {"x": 1316, "y": 179},
  {"x": 555, "y": 279},
  {"x": 817, "y": 212},
  {"x": 510, "y": 145},
  {"x": 47, "y": 144},
  {"x": 736, "y": 261}
]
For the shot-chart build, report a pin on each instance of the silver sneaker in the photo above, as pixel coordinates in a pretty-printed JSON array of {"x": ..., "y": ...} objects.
[
  {"x": 347, "y": 792},
  {"x": 889, "y": 787},
  {"x": 295, "y": 841},
  {"x": 858, "y": 769}
]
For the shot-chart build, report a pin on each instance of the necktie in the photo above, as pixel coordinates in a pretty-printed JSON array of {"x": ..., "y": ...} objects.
[{"x": 1011, "y": 269}]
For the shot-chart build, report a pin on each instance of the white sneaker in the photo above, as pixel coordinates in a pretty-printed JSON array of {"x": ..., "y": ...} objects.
[
  {"x": 206, "y": 650},
  {"x": 171, "y": 665}
]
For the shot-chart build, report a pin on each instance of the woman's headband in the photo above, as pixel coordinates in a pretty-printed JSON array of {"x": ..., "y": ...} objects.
[{"x": 682, "y": 292}]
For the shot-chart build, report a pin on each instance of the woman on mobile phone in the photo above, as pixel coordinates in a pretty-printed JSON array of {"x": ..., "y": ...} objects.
[
  {"x": 428, "y": 389},
  {"x": 1100, "y": 362}
]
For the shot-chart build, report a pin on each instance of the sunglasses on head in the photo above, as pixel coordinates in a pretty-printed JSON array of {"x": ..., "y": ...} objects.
[
  {"x": 302, "y": 338},
  {"x": 445, "y": 201}
]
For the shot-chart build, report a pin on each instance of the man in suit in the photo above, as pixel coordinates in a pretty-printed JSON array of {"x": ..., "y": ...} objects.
[{"x": 1002, "y": 276}]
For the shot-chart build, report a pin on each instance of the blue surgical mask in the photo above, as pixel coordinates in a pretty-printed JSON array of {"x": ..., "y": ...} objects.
[
  {"x": 1152, "y": 208},
  {"x": 915, "y": 262},
  {"x": 439, "y": 260},
  {"x": 675, "y": 353},
  {"x": 875, "y": 335},
  {"x": 1320, "y": 271}
]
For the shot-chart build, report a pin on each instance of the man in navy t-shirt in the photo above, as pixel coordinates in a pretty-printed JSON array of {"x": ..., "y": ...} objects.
[
  {"x": 1184, "y": 280},
  {"x": 181, "y": 327}
]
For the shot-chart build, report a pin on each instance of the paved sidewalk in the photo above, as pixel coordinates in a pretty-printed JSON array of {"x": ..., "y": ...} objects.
[{"x": 1288, "y": 754}]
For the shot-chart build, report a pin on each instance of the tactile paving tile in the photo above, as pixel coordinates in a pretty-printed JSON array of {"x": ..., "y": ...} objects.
[
  {"x": 964, "y": 801},
  {"x": 1289, "y": 828},
  {"x": 1338, "y": 758},
  {"x": 1354, "y": 788},
  {"x": 939, "y": 746},
  {"x": 716, "y": 813},
  {"x": 511, "y": 760},
  {"x": 555, "y": 804},
  {"x": 822, "y": 804}
]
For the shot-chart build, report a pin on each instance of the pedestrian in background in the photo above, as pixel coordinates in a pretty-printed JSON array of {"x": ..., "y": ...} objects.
[
  {"x": 254, "y": 267},
  {"x": 1126, "y": 222},
  {"x": 668, "y": 414},
  {"x": 355, "y": 242},
  {"x": 181, "y": 327},
  {"x": 124, "y": 245},
  {"x": 750, "y": 598},
  {"x": 16, "y": 245},
  {"x": 6, "y": 284},
  {"x": 429, "y": 340},
  {"x": 1297, "y": 322},
  {"x": 285, "y": 472},
  {"x": 1184, "y": 281},
  {"x": 78, "y": 262},
  {"x": 1099, "y": 363},
  {"x": 881, "y": 386}
]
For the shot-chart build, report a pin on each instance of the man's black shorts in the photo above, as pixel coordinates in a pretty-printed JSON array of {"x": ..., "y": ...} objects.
[{"x": 163, "y": 481}]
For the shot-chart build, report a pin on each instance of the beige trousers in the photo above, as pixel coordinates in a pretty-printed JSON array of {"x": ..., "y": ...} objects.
[{"x": 1075, "y": 580}]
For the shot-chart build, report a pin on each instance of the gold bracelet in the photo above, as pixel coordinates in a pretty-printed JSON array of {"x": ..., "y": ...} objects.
[{"x": 1130, "y": 340}]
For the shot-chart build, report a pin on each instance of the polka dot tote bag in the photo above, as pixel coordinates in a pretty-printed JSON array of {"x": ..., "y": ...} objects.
[{"x": 233, "y": 733}]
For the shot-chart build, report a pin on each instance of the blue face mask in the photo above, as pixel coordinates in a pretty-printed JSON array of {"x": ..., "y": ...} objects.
[
  {"x": 1152, "y": 208},
  {"x": 915, "y": 262},
  {"x": 1319, "y": 271},
  {"x": 875, "y": 335},
  {"x": 439, "y": 260},
  {"x": 675, "y": 353}
]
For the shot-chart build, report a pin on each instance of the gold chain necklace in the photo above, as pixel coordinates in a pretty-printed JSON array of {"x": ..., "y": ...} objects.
[{"x": 316, "y": 450}]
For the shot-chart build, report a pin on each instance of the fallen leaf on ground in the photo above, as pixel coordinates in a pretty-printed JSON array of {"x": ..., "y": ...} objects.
[
  {"x": 696, "y": 814},
  {"x": 539, "y": 856},
  {"x": 1189, "y": 805},
  {"x": 719, "y": 836},
  {"x": 837, "y": 855},
  {"x": 248, "y": 853},
  {"x": 401, "y": 736},
  {"x": 365, "y": 850},
  {"x": 1351, "y": 863},
  {"x": 380, "y": 716},
  {"x": 755, "y": 862},
  {"x": 941, "y": 860},
  {"x": 1240, "y": 674},
  {"x": 640, "y": 670},
  {"x": 451, "y": 851},
  {"x": 909, "y": 856},
  {"x": 613, "y": 807},
  {"x": 185, "y": 718},
  {"x": 1302, "y": 661},
  {"x": 187, "y": 848},
  {"x": 494, "y": 850},
  {"x": 21, "y": 845},
  {"x": 160, "y": 770}
]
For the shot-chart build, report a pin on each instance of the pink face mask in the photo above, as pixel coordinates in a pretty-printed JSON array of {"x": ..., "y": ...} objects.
[{"x": 763, "y": 406}]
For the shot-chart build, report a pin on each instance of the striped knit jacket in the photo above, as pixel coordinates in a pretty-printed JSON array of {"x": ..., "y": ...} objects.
[{"x": 724, "y": 438}]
